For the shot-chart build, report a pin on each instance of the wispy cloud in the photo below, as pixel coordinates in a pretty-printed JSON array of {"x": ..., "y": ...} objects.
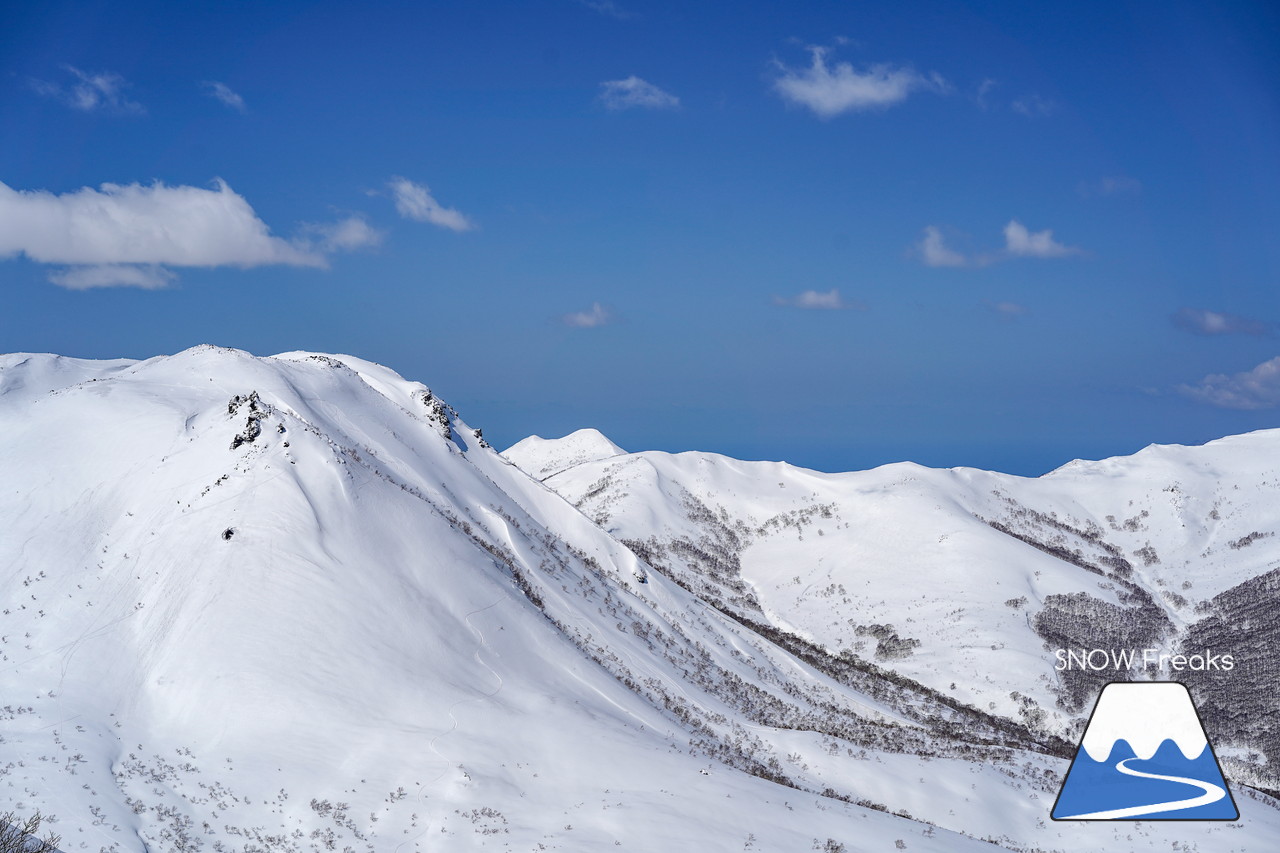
[
  {"x": 830, "y": 300},
  {"x": 607, "y": 8},
  {"x": 984, "y": 89},
  {"x": 1019, "y": 242},
  {"x": 345, "y": 235},
  {"x": 596, "y": 315},
  {"x": 414, "y": 201},
  {"x": 145, "y": 277},
  {"x": 127, "y": 235},
  {"x": 1110, "y": 185},
  {"x": 223, "y": 93},
  {"x": 102, "y": 92},
  {"x": 831, "y": 90},
  {"x": 1254, "y": 389},
  {"x": 1034, "y": 106},
  {"x": 1008, "y": 310},
  {"x": 1022, "y": 243},
  {"x": 934, "y": 252},
  {"x": 1203, "y": 322},
  {"x": 634, "y": 92}
]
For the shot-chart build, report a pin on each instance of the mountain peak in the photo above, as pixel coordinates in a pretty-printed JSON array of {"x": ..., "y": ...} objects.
[{"x": 545, "y": 457}]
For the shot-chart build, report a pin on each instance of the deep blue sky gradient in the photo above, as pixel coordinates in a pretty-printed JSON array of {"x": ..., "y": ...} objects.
[{"x": 687, "y": 223}]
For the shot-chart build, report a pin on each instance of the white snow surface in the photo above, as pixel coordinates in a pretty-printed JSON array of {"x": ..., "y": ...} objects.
[
  {"x": 544, "y": 457},
  {"x": 294, "y": 604},
  {"x": 828, "y": 556}
]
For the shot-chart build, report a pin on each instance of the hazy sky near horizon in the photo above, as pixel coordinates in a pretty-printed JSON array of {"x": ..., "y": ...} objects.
[{"x": 986, "y": 234}]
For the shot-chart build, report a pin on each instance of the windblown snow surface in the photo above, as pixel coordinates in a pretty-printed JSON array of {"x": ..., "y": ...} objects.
[{"x": 297, "y": 604}]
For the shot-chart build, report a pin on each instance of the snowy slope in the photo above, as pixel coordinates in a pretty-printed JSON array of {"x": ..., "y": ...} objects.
[
  {"x": 297, "y": 604},
  {"x": 242, "y": 591},
  {"x": 964, "y": 580},
  {"x": 542, "y": 457}
]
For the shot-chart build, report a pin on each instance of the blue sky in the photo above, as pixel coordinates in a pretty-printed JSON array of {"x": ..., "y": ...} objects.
[{"x": 985, "y": 234}]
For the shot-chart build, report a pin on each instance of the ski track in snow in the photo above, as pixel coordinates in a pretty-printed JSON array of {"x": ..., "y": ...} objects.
[{"x": 1212, "y": 793}]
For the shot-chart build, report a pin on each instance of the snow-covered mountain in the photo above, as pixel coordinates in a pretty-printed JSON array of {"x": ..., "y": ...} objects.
[
  {"x": 968, "y": 581},
  {"x": 297, "y": 603},
  {"x": 543, "y": 457}
]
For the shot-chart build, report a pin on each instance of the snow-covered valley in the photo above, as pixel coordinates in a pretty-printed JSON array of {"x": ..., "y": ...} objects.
[{"x": 296, "y": 603}]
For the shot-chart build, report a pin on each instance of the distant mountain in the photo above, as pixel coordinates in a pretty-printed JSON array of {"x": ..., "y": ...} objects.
[
  {"x": 542, "y": 457},
  {"x": 968, "y": 581},
  {"x": 297, "y": 604}
]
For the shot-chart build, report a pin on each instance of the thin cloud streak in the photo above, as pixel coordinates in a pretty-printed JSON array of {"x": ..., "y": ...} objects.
[
  {"x": 113, "y": 275},
  {"x": 223, "y": 93},
  {"x": 1200, "y": 321},
  {"x": 345, "y": 235},
  {"x": 102, "y": 91},
  {"x": 415, "y": 201},
  {"x": 830, "y": 300},
  {"x": 1034, "y": 106},
  {"x": 1110, "y": 185},
  {"x": 634, "y": 92},
  {"x": 607, "y": 8}
]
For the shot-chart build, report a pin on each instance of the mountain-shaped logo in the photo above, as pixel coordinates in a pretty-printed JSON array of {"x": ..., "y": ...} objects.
[{"x": 1144, "y": 755}]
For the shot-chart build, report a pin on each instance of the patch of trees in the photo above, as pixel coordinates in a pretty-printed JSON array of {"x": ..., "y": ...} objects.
[
  {"x": 1079, "y": 620},
  {"x": 1240, "y": 706}
]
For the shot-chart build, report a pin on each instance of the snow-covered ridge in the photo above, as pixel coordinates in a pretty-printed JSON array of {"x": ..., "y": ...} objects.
[
  {"x": 545, "y": 457},
  {"x": 299, "y": 600},
  {"x": 969, "y": 581}
]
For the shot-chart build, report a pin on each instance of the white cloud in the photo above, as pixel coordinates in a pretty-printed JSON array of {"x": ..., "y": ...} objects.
[
  {"x": 1034, "y": 106},
  {"x": 634, "y": 92},
  {"x": 1022, "y": 243},
  {"x": 223, "y": 93},
  {"x": 1203, "y": 322},
  {"x": 113, "y": 275},
  {"x": 830, "y": 91},
  {"x": 345, "y": 235},
  {"x": 830, "y": 300},
  {"x": 597, "y": 315},
  {"x": 1254, "y": 389},
  {"x": 1019, "y": 243},
  {"x": 933, "y": 250},
  {"x": 100, "y": 92},
  {"x": 125, "y": 235},
  {"x": 414, "y": 201},
  {"x": 137, "y": 224}
]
